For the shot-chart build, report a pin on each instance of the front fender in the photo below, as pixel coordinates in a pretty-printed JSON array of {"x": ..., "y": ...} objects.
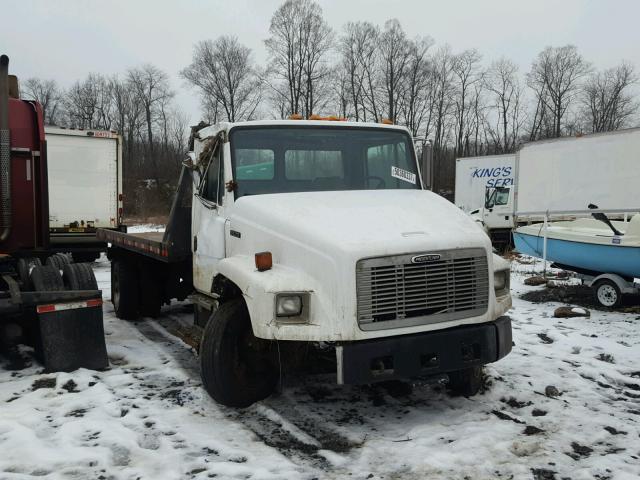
[{"x": 260, "y": 288}]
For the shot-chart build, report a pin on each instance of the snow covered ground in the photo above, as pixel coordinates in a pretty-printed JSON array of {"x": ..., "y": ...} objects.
[{"x": 147, "y": 417}]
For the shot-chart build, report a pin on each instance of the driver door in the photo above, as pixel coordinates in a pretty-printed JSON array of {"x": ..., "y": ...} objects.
[
  {"x": 209, "y": 220},
  {"x": 498, "y": 208}
]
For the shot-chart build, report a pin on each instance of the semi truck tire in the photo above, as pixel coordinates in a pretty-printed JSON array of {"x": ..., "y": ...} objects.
[
  {"x": 58, "y": 260},
  {"x": 24, "y": 271},
  {"x": 150, "y": 292},
  {"x": 466, "y": 382},
  {"x": 79, "y": 276},
  {"x": 125, "y": 289},
  {"x": 237, "y": 368},
  {"x": 47, "y": 279}
]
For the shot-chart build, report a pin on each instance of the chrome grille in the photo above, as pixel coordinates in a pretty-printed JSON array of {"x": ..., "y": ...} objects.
[{"x": 393, "y": 292}]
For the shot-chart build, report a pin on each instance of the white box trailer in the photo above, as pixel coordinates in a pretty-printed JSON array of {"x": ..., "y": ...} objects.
[
  {"x": 85, "y": 188},
  {"x": 475, "y": 174},
  {"x": 561, "y": 177},
  {"x": 565, "y": 175}
]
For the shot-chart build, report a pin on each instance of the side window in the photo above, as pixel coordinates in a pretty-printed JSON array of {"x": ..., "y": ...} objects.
[
  {"x": 211, "y": 186},
  {"x": 502, "y": 196}
]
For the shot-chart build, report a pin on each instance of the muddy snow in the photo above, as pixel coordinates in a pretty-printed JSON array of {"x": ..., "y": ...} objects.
[{"x": 564, "y": 404}]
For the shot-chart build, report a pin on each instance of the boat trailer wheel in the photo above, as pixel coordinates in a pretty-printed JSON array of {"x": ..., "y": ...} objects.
[{"x": 607, "y": 293}]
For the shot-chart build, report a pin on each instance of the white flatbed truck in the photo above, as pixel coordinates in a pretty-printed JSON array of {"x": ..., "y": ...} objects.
[{"x": 298, "y": 232}]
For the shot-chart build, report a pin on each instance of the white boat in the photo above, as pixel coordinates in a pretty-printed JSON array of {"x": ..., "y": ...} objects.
[{"x": 586, "y": 245}]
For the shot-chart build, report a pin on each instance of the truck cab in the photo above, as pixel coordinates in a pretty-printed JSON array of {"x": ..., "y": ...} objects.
[
  {"x": 360, "y": 254},
  {"x": 497, "y": 214},
  {"x": 314, "y": 231},
  {"x": 498, "y": 207}
]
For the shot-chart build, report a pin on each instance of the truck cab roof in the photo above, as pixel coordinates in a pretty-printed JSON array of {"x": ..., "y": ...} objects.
[{"x": 213, "y": 130}]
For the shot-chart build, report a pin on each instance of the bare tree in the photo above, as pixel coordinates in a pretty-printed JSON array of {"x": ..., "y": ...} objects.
[
  {"x": 466, "y": 68},
  {"x": 418, "y": 80},
  {"x": 298, "y": 43},
  {"x": 223, "y": 71},
  {"x": 88, "y": 103},
  {"x": 151, "y": 88},
  {"x": 555, "y": 78},
  {"x": 47, "y": 93},
  {"x": 394, "y": 56},
  {"x": 359, "y": 53},
  {"x": 443, "y": 95},
  {"x": 505, "y": 102},
  {"x": 608, "y": 102}
]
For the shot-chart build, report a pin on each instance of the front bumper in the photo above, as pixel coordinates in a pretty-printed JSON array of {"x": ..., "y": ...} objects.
[{"x": 423, "y": 354}]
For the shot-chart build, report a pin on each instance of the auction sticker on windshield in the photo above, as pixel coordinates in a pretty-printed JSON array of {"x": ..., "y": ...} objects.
[{"x": 403, "y": 175}]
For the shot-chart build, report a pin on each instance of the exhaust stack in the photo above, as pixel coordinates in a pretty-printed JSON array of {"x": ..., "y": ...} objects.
[{"x": 5, "y": 151}]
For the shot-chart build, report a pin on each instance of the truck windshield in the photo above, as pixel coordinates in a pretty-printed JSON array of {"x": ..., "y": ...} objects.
[{"x": 304, "y": 159}]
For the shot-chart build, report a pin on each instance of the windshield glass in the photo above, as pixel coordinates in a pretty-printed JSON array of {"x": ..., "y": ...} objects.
[{"x": 304, "y": 159}]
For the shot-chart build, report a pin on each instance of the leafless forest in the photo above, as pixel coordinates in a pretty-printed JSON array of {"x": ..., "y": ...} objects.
[{"x": 463, "y": 103}]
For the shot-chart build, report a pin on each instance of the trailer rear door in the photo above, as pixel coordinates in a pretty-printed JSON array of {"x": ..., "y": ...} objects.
[{"x": 83, "y": 179}]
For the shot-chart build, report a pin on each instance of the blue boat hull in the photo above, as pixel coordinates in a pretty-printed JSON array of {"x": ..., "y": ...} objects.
[{"x": 624, "y": 261}]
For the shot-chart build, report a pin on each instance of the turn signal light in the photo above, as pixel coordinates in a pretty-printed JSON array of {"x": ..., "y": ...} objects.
[{"x": 264, "y": 261}]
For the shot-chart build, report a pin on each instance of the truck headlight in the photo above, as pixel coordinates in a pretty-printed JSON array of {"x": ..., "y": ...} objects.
[
  {"x": 501, "y": 282},
  {"x": 290, "y": 304}
]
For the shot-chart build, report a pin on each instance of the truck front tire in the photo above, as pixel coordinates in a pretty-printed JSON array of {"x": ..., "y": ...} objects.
[
  {"x": 466, "y": 382},
  {"x": 125, "y": 289},
  {"x": 237, "y": 368}
]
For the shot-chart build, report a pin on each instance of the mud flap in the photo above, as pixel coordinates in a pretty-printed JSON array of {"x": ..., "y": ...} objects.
[{"x": 72, "y": 339}]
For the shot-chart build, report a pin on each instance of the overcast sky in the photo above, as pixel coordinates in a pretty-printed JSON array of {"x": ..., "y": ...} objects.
[{"x": 65, "y": 39}]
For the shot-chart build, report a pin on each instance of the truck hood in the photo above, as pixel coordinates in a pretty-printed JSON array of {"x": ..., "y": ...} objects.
[{"x": 360, "y": 223}]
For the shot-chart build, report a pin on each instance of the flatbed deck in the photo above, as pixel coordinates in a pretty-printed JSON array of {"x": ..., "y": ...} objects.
[{"x": 151, "y": 244}]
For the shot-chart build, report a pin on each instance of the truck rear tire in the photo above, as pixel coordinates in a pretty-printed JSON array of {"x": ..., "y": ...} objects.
[
  {"x": 125, "y": 289},
  {"x": 466, "y": 382},
  {"x": 237, "y": 368},
  {"x": 47, "y": 279},
  {"x": 58, "y": 260},
  {"x": 24, "y": 271},
  {"x": 79, "y": 276}
]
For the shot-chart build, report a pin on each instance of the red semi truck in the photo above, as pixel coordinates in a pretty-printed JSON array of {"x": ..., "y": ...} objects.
[{"x": 46, "y": 300}]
